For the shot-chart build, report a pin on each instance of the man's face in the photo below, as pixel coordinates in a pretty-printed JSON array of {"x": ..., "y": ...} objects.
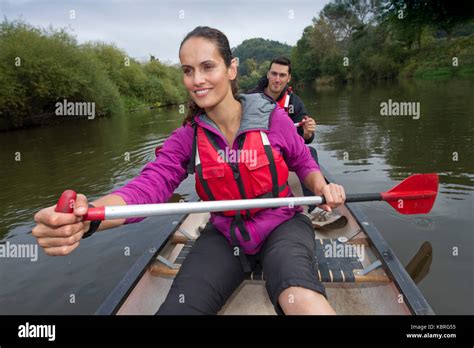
[{"x": 278, "y": 77}]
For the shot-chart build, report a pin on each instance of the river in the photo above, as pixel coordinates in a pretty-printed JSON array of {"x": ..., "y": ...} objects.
[{"x": 364, "y": 151}]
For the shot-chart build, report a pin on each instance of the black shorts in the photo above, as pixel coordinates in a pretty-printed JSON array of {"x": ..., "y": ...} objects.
[{"x": 211, "y": 271}]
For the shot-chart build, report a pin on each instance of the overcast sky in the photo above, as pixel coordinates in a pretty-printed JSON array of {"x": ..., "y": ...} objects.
[{"x": 145, "y": 27}]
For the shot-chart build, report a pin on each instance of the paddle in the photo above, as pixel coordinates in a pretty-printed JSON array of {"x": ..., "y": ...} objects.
[
  {"x": 414, "y": 195},
  {"x": 299, "y": 124},
  {"x": 419, "y": 265}
]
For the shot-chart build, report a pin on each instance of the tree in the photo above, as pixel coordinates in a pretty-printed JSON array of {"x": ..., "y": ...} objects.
[
  {"x": 306, "y": 68},
  {"x": 40, "y": 67},
  {"x": 260, "y": 50},
  {"x": 248, "y": 66},
  {"x": 442, "y": 16},
  {"x": 409, "y": 17},
  {"x": 341, "y": 18},
  {"x": 348, "y": 16}
]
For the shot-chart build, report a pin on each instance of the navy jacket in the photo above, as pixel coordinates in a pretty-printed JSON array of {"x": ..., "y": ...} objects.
[{"x": 297, "y": 113}]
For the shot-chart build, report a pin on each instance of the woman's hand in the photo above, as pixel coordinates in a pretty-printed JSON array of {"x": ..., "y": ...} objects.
[
  {"x": 60, "y": 233},
  {"x": 334, "y": 195}
]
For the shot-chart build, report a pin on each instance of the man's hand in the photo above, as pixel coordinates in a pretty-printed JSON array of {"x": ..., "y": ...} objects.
[{"x": 309, "y": 127}]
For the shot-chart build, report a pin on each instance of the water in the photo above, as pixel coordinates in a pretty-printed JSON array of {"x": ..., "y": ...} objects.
[
  {"x": 90, "y": 157},
  {"x": 363, "y": 151}
]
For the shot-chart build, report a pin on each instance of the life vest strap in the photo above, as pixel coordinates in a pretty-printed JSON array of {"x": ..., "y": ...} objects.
[
  {"x": 212, "y": 140},
  {"x": 244, "y": 261},
  {"x": 192, "y": 161},
  {"x": 270, "y": 194},
  {"x": 235, "y": 167},
  {"x": 271, "y": 160},
  {"x": 204, "y": 183}
]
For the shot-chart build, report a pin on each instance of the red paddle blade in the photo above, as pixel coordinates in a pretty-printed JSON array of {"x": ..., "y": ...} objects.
[{"x": 414, "y": 195}]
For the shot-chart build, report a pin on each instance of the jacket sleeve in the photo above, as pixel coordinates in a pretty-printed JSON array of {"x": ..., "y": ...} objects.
[{"x": 159, "y": 179}]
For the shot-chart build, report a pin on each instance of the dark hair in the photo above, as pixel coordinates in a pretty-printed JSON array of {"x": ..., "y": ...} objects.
[
  {"x": 282, "y": 61},
  {"x": 222, "y": 44}
]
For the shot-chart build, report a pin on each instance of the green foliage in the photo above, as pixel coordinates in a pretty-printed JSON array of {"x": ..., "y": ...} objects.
[
  {"x": 249, "y": 82},
  {"x": 379, "y": 39},
  {"x": 341, "y": 18},
  {"x": 418, "y": 14},
  {"x": 442, "y": 59},
  {"x": 305, "y": 65},
  {"x": 164, "y": 84},
  {"x": 383, "y": 40},
  {"x": 373, "y": 55},
  {"x": 260, "y": 50},
  {"x": 40, "y": 67}
]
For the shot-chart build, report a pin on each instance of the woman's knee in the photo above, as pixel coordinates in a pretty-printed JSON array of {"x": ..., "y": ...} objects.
[
  {"x": 296, "y": 294},
  {"x": 299, "y": 300}
]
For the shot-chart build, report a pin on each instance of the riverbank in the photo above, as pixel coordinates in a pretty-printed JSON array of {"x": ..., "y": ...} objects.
[
  {"x": 442, "y": 59},
  {"x": 40, "y": 68},
  {"x": 438, "y": 59}
]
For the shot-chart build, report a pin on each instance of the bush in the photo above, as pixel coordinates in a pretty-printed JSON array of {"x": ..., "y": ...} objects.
[
  {"x": 435, "y": 61},
  {"x": 40, "y": 67}
]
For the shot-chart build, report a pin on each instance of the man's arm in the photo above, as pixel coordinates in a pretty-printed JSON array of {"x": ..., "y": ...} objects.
[{"x": 299, "y": 113}]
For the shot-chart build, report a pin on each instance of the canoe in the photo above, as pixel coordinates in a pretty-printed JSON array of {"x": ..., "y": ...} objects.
[{"x": 360, "y": 271}]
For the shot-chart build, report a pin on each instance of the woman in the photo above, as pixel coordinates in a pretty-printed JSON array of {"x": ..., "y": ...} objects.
[{"x": 265, "y": 145}]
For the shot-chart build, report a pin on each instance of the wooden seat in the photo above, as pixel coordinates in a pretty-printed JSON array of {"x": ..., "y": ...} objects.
[{"x": 330, "y": 268}]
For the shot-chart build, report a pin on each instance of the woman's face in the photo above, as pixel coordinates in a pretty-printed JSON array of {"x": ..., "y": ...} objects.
[{"x": 205, "y": 75}]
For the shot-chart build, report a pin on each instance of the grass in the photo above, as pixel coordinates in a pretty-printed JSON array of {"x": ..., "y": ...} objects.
[{"x": 435, "y": 61}]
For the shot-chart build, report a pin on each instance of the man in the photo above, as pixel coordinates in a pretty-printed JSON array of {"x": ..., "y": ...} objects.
[{"x": 275, "y": 85}]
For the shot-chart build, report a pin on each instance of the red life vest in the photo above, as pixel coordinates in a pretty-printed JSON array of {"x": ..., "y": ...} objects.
[
  {"x": 284, "y": 101},
  {"x": 256, "y": 171}
]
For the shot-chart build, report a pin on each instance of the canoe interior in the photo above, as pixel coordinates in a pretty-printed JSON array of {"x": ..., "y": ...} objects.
[{"x": 251, "y": 297}]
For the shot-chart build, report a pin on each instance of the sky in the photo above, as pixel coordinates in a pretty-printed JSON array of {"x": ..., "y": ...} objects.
[{"x": 145, "y": 27}]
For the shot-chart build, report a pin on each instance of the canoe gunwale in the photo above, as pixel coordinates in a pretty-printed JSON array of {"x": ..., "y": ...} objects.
[{"x": 411, "y": 294}]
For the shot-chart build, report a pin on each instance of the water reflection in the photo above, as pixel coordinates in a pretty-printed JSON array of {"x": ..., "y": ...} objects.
[
  {"x": 440, "y": 141},
  {"x": 419, "y": 266}
]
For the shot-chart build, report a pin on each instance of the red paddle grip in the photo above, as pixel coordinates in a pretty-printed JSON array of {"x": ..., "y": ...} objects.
[
  {"x": 66, "y": 205},
  {"x": 66, "y": 202}
]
